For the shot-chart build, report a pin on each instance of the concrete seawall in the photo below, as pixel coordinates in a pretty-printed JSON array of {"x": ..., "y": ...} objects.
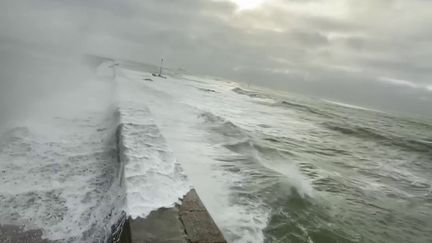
[{"x": 186, "y": 223}]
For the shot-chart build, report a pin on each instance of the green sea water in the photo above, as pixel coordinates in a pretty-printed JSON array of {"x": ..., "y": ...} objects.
[{"x": 370, "y": 174}]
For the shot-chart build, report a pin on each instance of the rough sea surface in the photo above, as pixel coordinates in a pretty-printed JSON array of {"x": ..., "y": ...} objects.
[
  {"x": 59, "y": 168},
  {"x": 276, "y": 167},
  {"x": 269, "y": 166}
]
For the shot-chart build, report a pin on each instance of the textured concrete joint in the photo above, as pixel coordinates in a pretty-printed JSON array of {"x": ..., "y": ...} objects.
[
  {"x": 198, "y": 223},
  {"x": 186, "y": 223}
]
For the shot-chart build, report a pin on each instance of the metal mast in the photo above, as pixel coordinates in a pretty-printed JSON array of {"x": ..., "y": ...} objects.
[{"x": 160, "y": 70}]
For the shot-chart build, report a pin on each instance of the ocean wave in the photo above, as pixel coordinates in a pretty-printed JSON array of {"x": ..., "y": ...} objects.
[
  {"x": 374, "y": 135},
  {"x": 247, "y": 145},
  {"x": 261, "y": 176},
  {"x": 71, "y": 191},
  {"x": 223, "y": 126},
  {"x": 257, "y": 152},
  {"x": 83, "y": 173},
  {"x": 304, "y": 108},
  {"x": 272, "y": 162},
  {"x": 286, "y": 103},
  {"x": 15, "y": 141},
  {"x": 248, "y": 93},
  {"x": 152, "y": 175}
]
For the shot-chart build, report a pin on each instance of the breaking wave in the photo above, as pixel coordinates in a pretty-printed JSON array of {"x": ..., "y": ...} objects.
[
  {"x": 71, "y": 192},
  {"x": 286, "y": 103},
  {"x": 386, "y": 139},
  {"x": 304, "y": 108},
  {"x": 257, "y": 153},
  {"x": 152, "y": 175},
  {"x": 247, "y": 92},
  {"x": 86, "y": 168}
]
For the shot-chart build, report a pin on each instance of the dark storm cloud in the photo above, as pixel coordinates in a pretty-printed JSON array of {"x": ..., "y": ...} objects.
[{"x": 337, "y": 49}]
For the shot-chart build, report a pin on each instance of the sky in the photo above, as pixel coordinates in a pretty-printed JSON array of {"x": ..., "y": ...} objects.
[{"x": 373, "y": 53}]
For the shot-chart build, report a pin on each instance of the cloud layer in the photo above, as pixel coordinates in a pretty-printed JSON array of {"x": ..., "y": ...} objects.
[{"x": 371, "y": 52}]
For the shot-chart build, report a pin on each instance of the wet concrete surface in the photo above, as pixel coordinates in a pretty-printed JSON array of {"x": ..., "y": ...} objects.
[
  {"x": 186, "y": 223},
  {"x": 16, "y": 234}
]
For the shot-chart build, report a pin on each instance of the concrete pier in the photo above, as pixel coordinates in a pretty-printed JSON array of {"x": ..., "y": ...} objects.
[
  {"x": 186, "y": 223},
  {"x": 199, "y": 225},
  {"x": 13, "y": 234}
]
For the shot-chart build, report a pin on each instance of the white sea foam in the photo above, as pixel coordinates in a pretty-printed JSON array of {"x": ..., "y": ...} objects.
[
  {"x": 177, "y": 105},
  {"x": 59, "y": 167},
  {"x": 350, "y": 106},
  {"x": 73, "y": 176},
  {"x": 152, "y": 175}
]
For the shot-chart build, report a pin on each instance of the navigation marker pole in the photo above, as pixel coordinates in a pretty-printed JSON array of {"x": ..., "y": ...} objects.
[{"x": 160, "y": 70}]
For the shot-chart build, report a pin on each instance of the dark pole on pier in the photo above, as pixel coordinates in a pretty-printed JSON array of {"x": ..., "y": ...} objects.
[
  {"x": 160, "y": 70},
  {"x": 114, "y": 68}
]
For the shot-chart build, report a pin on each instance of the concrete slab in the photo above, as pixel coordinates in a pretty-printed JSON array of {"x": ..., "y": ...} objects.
[
  {"x": 14, "y": 234},
  {"x": 161, "y": 226},
  {"x": 198, "y": 224},
  {"x": 186, "y": 223}
]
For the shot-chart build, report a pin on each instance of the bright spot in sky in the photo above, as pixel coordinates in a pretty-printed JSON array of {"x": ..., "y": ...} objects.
[{"x": 248, "y": 4}]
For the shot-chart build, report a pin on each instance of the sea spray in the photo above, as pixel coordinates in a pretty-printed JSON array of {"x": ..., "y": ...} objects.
[{"x": 152, "y": 175}]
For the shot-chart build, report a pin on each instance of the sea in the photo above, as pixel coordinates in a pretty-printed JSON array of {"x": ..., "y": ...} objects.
[{"x": 270, "y": 166}]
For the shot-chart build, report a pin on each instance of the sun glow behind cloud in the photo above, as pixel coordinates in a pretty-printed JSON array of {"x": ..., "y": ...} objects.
[{"x": 248, "y": 4}]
